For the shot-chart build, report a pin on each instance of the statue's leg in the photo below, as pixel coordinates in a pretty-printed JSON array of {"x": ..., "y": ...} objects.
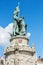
[
  {"x": 17, "y": 30},
  {"x": 23, "y": 31}
]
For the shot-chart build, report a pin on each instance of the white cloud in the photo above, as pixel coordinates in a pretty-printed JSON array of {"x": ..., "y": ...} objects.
[
  {"x": 9, "y": 28},
  {"x": 28, "y": 35},
  {"x": 4, "y": 35}
]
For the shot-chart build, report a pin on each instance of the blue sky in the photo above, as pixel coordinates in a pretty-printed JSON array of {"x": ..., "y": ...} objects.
[{"x": 32, "y": 10}]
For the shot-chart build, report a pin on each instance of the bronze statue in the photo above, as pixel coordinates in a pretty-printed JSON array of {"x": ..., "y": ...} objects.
[{"x": 19, "y": 27}]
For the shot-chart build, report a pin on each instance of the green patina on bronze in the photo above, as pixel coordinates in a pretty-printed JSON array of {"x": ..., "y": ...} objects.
[{"x": 19, "y": 27}]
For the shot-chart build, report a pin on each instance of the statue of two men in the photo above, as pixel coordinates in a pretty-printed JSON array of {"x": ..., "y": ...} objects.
[{"x": 19, "y": 25}]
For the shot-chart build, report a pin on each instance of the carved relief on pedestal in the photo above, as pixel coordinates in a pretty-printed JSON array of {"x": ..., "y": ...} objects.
[
  {"x": 21, "y": 40},
  {"x": 26, "y": 59},
  {"x": 10, "y": 59}
]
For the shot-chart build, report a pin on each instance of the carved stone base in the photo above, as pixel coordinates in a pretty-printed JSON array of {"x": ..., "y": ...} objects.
[
  {"x": 21, "y": 40},
  {"x": 19, "y": 53}
]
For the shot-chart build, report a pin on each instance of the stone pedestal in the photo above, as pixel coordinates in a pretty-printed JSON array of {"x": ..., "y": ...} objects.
[
  {"x": 19, "y": 53},
  {"x": 20, "y": 40}
]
